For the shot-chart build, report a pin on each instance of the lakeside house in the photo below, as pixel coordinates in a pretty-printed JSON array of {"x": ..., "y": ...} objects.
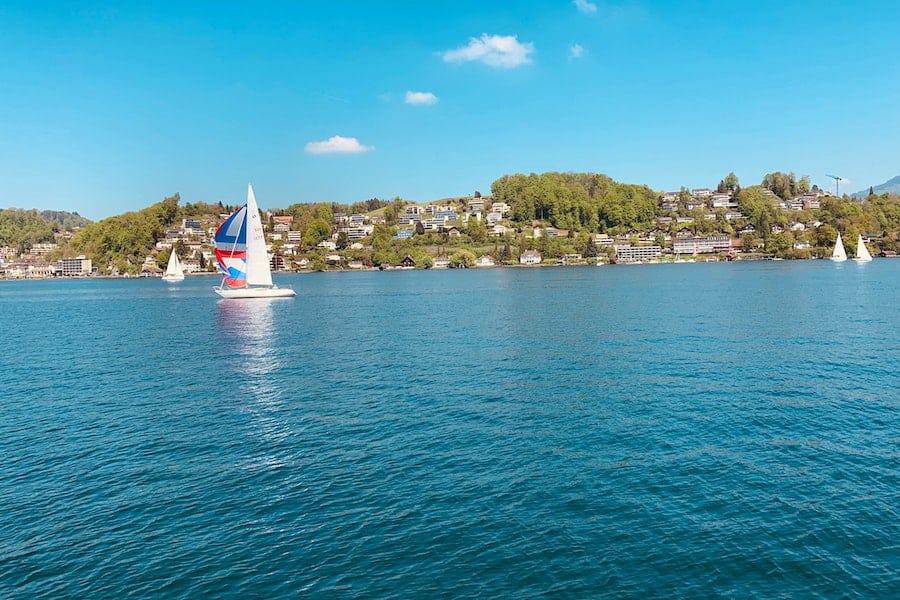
[{"x": 485, "y": 261}]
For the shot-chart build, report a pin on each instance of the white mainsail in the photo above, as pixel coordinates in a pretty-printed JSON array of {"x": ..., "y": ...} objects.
[
  {"x": 839, "y": 254},
  {"x": 258, "y": 271},
  {"x": 174, "y": 271},
  {"x": 862, "y": 253}
]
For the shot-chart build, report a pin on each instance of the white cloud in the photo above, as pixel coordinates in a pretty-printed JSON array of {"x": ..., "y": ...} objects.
[
  {"x": 426, "y": 98},
  {"x": 585, "y": 7},
  {"x": 576, "y": 51},
  {"x": 502, "y": 51},
  {"x": 337, "y": 145}
]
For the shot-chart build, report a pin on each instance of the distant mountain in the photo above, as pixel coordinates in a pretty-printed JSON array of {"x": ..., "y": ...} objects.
[{"x": 892, "y": 186}]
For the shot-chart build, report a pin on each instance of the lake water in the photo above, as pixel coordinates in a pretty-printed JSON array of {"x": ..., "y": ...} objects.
[{"x": 688, "y": 430}]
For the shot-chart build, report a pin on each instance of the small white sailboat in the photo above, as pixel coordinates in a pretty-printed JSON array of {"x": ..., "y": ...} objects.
[
  {"x": 838, "y": 254},
  {"x": 242, "y": 257},
  {"x": 174, "y": 272},
  {"x": 862, "y": 253}
]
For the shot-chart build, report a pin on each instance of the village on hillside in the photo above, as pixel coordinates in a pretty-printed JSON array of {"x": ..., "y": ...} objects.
[{"x": 448, "y": 225}]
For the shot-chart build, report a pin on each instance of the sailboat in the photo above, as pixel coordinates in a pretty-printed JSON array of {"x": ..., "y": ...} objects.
[
  {"x": 242, "y": 257},
  {"x": 838, "y": 254},
  {"x": 862, "y": 253},
  {"x": 173, "y": 273}
]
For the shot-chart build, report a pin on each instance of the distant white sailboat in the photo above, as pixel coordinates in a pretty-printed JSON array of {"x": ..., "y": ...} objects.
[
  {"x": 862, "y": 253},
  {"x": 174, "y": 273},
  {"x": 838, "y": 254},
  {"x": 242, "y": 256}
]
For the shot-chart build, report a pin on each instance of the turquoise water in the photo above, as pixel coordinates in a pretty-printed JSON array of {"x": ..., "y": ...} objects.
[{"x": 688, "y": 430}]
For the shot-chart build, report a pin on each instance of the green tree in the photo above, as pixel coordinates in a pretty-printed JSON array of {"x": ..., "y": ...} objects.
[
  {"x": 462, "y": 259},
  {"x": 122, "y": 242},
  {"x": 316, "y": 231},
  {"x": 23, "y": 228},
  {"x": 393, "y": 211},
  {"x": 780, "y": 244},
  {"x": 783, "y": 185},
  {"x": 589, "y": 247},
  {"x": 731, "y": 182},
  {"x": 476, "y": 231}
]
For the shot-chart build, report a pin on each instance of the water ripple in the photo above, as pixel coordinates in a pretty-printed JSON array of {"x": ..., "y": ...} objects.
[{"x": 523, "y": 433}]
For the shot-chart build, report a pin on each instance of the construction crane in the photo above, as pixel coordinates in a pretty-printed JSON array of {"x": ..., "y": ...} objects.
[{"x": 837, "y": 184}]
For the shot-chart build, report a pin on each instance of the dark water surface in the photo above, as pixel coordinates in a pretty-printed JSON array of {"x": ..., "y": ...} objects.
[{"x": 668, "y": 431}]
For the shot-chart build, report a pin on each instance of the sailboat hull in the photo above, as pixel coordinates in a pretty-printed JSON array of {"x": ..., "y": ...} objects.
[
  {"x": 173, "y": 278},
  {"x": 273, "y": 292}
]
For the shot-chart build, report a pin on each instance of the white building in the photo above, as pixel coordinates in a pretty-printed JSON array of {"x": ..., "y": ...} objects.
[
  {"x": 701, "y": 245},
  {"x": 627, "y": 253},
  {"x": 75, "y": 266}
]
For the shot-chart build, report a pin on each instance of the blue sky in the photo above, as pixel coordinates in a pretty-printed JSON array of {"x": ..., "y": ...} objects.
[{"x": 110, "y": 107}]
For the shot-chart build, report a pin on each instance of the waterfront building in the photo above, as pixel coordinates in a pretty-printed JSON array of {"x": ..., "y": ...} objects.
[
  {"x": 627, "y": 253},
  {"x": 702, "y": 245},
  {"x": 78, "y": 266}
]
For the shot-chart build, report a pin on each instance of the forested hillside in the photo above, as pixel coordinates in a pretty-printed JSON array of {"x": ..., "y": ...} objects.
[
  {"x": 121, "y": 242},
  {"x": 579, "y": 201},
  {"x": 64, "y": 220},
  {"x": 21, "y": 228}
]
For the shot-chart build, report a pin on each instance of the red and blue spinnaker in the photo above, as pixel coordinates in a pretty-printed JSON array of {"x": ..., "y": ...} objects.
[{"x": 231, "y": 249}]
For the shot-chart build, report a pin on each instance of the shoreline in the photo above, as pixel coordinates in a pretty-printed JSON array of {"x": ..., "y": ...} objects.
[{"x": 483, "y": 268}]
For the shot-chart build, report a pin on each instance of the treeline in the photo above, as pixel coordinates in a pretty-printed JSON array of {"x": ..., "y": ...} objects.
[
  {"x": 579, "y": 201},
  {"x": 590, "y": 202},
  {"x": 120, "y": 243},
  {"x": 22, "y": 228},
  {"x": 64, "y": 220}
]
